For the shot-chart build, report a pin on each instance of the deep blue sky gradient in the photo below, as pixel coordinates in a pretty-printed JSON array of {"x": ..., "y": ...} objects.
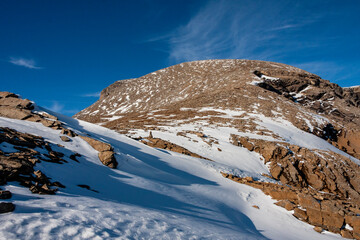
[{"x": 77, "y": 48}]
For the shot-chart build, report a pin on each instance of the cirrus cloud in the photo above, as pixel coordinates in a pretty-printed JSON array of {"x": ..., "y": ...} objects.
[
  {"x": 28, "y": 63},
  {"x": 250, "y": 29}
]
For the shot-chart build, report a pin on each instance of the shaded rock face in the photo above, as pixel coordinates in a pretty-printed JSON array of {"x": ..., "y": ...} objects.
[
  {"x": 311, "y": 88},
  {"x": 322, "y": 187},
  {"x": 106, "y": 151},
  {"x": 322, "y": 97}
]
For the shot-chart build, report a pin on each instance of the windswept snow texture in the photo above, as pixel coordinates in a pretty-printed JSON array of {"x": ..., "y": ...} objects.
[{"x": 153, "y": 194}]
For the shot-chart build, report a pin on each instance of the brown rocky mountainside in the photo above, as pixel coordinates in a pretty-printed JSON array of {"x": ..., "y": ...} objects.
[
  {"x": 253, "y": 86},
  {"x": 305, "y": 129}
]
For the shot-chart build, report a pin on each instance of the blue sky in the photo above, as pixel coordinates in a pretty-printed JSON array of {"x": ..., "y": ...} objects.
[{"x": 61, "y": 54}]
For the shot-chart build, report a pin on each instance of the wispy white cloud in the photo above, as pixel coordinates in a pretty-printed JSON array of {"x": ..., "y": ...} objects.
[
  {"x": 28, "y": 63},
  {"x": 61, "y": 108},
  {"x": 287, "y": 26},
  {"x": 95, "y": 94},
  {"x": 237, "y": 29},
  {"x": 56, "y": 107}
]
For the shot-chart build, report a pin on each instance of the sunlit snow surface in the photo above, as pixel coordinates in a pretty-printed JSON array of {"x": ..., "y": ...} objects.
[{"x": 154, "y": 194}]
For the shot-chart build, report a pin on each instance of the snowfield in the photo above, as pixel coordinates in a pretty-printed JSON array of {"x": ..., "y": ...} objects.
[{"x": 153, "y": 193}]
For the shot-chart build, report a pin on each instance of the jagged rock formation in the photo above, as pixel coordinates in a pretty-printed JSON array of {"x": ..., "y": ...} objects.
[
  {"x": 21, "y": 152},
  {"x": 323, "y": 97},
  {"x": 300, "y": 167},
  {"x": 19, "y": 165},
  {"x": 18, "y": 162},
  {"x": 12, "y": 106},
  {"x": 324, "y": 211},
  {"x": 335, "y": 179}
]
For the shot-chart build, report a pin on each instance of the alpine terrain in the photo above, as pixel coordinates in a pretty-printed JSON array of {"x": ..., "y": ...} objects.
[{"x": 215, "y": 149}]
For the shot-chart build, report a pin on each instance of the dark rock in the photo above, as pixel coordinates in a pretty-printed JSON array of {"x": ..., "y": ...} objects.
[
  {"x": 6, "y": 207},
  {"x": 68, "y": 132},
  {"x": 5, "y": 194}
]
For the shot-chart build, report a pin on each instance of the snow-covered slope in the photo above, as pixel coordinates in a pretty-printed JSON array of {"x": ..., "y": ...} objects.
[{"x": 153, "y": 194}]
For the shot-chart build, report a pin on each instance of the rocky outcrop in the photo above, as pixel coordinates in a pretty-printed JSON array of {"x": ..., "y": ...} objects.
[
  {"x": 324, "y": 98},
  {"x": 349, "y": 142},
  {"x": 106, "y": 151},
  {"x": 19, "y": 165},
  {"x": 17, "y": 162},
  {"x": 321, "y": 186},
  {"x": 162, "y": 144},
  {"x": 307, "y": 89},
  {"x": 12, "y": 106},
  {"x": 300, "y": 167},
  {"x": 323, "y": 210}
]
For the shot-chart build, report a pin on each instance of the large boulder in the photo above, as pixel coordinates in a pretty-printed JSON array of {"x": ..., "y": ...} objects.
[
  {"x": 108, "y": 159},
  {"x": 106, "y": 153},
  {"x": 97, "y": 145}
]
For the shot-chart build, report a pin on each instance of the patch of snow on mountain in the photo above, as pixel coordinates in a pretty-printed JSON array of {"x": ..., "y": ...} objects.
[{"x": 269, "y": 78}]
